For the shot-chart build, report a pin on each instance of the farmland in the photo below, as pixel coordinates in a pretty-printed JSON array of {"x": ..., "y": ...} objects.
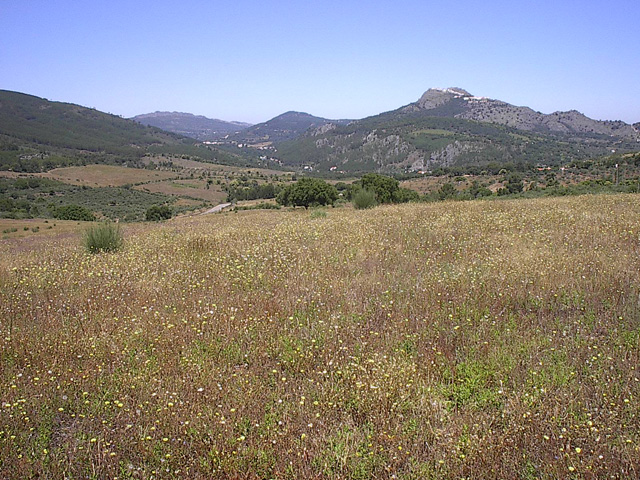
[{"x": 480, "y": 339}]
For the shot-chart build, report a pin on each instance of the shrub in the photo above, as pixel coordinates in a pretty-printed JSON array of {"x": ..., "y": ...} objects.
[
  {"x": 318, "y": 213},
  {"x": 404, "y": 195},
  {"x": 158, "y": 212},
  {"x": 105, "y": 237},
  {"x": 308, "y": 192},
  {"x": 364, "y": 199},
  {"x": 74, "y": 212}
]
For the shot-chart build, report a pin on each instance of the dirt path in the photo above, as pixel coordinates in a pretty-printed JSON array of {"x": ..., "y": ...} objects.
[{"x": 217, "y": 208}]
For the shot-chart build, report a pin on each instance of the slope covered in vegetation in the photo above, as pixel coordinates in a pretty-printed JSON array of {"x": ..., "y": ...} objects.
[{"x": 37, "y": 134}]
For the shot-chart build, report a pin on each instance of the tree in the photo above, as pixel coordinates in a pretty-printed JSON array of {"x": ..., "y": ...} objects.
[
  {"x": 74, "y": 212},
  {"x": 384, "y": 187},
  {"x": 404, "y": 195},
  {"x": 514, "y": 183},
  {"x": 158, "y": 213},
  {"x": 447, "y": 191},
  {"x": 476, "y": 190},
  {"x": 308, "y": 192}
]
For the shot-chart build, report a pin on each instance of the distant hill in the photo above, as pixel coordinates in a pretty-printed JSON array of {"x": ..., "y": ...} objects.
[
  {"x": 448, "y": 127},
  {"x": 194, "y": 126},
  {"x": 284, "y": 127},
  {"x": 37, "y": 134}
]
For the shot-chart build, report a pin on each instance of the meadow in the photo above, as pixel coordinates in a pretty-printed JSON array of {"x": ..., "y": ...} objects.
[{"x": 480, "y": 339}]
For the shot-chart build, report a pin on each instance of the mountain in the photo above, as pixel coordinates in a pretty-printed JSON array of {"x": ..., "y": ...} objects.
[
  {"x": 194, "y": 126},
  {"x": 37, "y": 134},
  {"x": 459, "y": 103},
  {"x": 287, "y": 126},
  {"x": 449, "y": 127}
]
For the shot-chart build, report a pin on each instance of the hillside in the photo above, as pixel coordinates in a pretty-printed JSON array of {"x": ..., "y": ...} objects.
[
  {"x": 448, "y": 127},
  {"x": 193, "y": 126},
  {"x": 37, "y": 134}
]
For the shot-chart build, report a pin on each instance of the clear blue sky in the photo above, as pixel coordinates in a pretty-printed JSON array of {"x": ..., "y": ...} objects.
[{"x": 250, "y": 60}]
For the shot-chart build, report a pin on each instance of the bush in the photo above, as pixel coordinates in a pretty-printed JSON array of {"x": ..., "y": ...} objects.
[
  {"x": 105, "y": 237},
  {"x": 364, "y": 199},
  {"x": 74, "y": 212},
  {"x": 318, "y": 213},
  {"x": 404, "y": 195},
  {"x": 447, "y": 191},
  {"x": 158, "y": 212},
  {"x": 308, "y": 192}
]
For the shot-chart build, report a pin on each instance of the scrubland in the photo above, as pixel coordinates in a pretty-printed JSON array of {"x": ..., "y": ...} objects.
[{"x": 495, "y": 339}]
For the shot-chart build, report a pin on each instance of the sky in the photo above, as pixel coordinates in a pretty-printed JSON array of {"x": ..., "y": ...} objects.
[{"x": 251, "y": 60}]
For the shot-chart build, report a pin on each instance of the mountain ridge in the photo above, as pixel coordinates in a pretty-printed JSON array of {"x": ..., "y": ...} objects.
[
  {"x": 283, "y": 127},
  {"x": 444, "y": 127},
  {"x": 450, "y": 126},
  {"x": 523, "y": 118},
  {"x": 190, "y": 125}
]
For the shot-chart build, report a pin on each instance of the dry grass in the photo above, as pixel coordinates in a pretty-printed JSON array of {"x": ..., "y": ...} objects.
[
  {"x": 105, "y": 175},
  {"x": 477, "y": 339},
  {"x": 428, "y": 184},
  {"x": 14, "y": 229},
  {"x": 195, "y": 188},
  {"x": 220, "y": 169}
]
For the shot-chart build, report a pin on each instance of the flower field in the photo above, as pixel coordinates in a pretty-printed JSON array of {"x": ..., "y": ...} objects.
[{"x": 485, "y": 339}]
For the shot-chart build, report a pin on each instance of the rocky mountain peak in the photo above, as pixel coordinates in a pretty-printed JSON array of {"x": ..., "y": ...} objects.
[{"x": 434, "y": 97}]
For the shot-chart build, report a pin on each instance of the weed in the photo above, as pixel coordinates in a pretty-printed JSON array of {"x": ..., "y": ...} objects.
[
  {"x": 318, "y": 213},
  {"x": 364, "y": 199},
  {"x": 106, "y": 237}
]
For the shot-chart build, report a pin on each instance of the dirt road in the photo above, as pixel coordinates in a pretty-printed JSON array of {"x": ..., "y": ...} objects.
[{"x": 217, "y": 208}]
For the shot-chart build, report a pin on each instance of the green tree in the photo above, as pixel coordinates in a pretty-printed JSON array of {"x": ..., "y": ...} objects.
[
  {"x": 384, "y": 187},
  {"x": 514, "y": 183},
  {"x": 447, "y": 191},
  {"x": 74, "y": 212},
  {"x": 158, "y": 213},
  {"x": 476, "y": 190},
  {"x": 308, "y": 192},
  {"x": 404, "y": 195}
]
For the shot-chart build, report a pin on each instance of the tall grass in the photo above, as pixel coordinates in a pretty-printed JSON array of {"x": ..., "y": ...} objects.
[
  {"x": 457, "y": 340},
  {"x": 105, "y": 237}
]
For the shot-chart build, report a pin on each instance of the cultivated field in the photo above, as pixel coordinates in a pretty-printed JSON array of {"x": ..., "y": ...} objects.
[
  {"x": 106, "y": 175},
  {"x": 219, "y": 169},
  {"x": 495, "y": 339},
  {"x": 195, "y": 188}
]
